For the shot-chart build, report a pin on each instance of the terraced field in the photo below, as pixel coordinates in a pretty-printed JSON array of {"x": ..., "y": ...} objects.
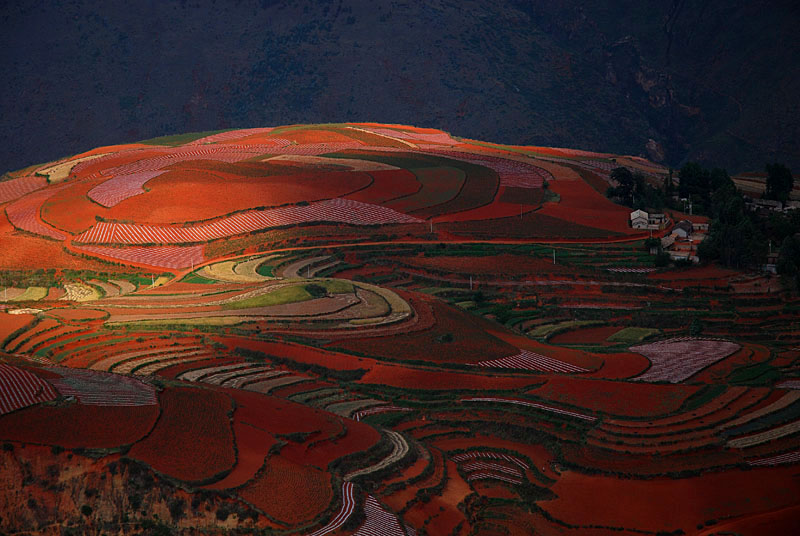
[{"x": 377, "y": 329}]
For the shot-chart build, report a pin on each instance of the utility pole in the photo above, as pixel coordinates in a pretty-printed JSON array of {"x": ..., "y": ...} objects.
[
  {"x": 431, "y": 226},
  {"x": 554, "y": 256},
  {"x": 152, "y": 281},
  {"x": 470, "y": 282}
]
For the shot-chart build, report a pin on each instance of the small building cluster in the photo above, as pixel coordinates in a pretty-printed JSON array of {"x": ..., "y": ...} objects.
[
  {"x": 766, "y": 206},
  {"x": 643, "y": 220},
  {"x": 681, "y": 243}
]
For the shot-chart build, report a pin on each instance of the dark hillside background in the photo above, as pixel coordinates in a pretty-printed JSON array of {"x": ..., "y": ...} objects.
[{"x": 716, "y": 81}]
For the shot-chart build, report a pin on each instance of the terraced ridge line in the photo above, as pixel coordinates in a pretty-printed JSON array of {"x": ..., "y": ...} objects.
[
  {"x": 103, "y": 389},
  {"x": 220, "y": 378},
  {"x": 784, "y": 401},
  {"x": 111, "y": 361},
  {"x": 134, "y": 365},
  {"x": 398, "y": 452},
  {"x": 152, "y": 368},
  {"x": 764, "y": 437},
  {"x": 266, "y": 386},
  {"x": 346, "y": 409},
  {"x": 198, "y": 374},
  {"x": 358, "y": 415},
  {"x": 534, "y": 405},
  {"x": 247, "y": 378},
  {"x": 344, "y": 513},
  {"x": 125, "y": 287}
]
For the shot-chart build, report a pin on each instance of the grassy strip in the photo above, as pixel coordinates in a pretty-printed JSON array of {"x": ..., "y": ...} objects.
[
  {"x": 632, "y": 335},
  {"x": 179, "y": 139}
]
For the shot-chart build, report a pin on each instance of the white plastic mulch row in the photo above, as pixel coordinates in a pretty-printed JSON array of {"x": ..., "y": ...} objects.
[
  {"x": 490, "y": 455},
  {"x": 788, "y": 457},
  {"x": 358, "y": 415},
  {"x": 176, "y": 257},
  {"x": 534, "y": 405},
  {"x": 332, "y": 210},
  {"x": 20, "y": 388},
  {"x": 532, "y": 361},
  {"x": 103, "y": 389},
  {"x": 344, "y": 512},
  {"x": 379, "y": 522},
  {"x": 675, "y": 360}
]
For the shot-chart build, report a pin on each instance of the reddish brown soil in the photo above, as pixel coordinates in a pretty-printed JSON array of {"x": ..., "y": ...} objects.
[
  {"x": 11, "y": 323},
  {"x": 616, "y": 398},
  {"x": 470, "y": 341},
  {"x": 671, "y": 504},
  {"x": 192, "y": 440},
  {"x": 77, "y": 425},
  {"x": 78, "y": 315},
  {"x": 190, "y": 195},
  {"x": 413, "y": 378},
  {"x": 585, "y": 336},
  {"x": 289, "y": 492}
]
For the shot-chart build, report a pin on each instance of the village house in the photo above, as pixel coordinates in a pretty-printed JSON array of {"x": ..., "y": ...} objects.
[
  {"x": 639, "y": 219},
  {"x": 656, "y": 219},
  {"x": 683, "y": 229}
]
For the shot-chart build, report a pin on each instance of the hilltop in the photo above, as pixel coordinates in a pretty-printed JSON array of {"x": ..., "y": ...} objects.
[{"x": 363, "y": 328}]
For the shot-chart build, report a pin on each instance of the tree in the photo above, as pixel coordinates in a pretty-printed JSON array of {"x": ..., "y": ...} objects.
[
  {"x": 695, "y": 184},
  {"x": 779, "y": 182},
  {"x": 789, "y": 260},
  {"x": 632, "y": 190}
]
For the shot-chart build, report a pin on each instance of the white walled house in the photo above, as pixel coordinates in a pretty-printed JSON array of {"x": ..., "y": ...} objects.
[{"x": 639, "y": 219}]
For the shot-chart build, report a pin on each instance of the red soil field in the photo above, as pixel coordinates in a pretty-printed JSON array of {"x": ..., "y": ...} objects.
[
  {"x": 118, "y": 155},
  {"x": 289, "y": 492},
  {"x": 667, "y": 504},
  {"x": 441, "y": 515},
  {"x": 585, "y": 335},
  {"x": 11, "y": 323},
  {"x": 470, "y": 341},
  {"x": 497, "y": 266},
  {"x": 175, "y": 370},
  {"x": 439, "y": 185},
  {"x": 303, "y": 354},
  {"x": 316, "y": 135},
  {"x": 189, "y": 195},
  {"x": 579, "y": 358},
  {"x": 616, "y": 398},
  {"x": 192, "y": 440},
  {"x": 302, "y": 387},
  {"x": 509, "y": 202},
  {"x": 358, "y": 437},
  {"x": 413, "y": 378},
  {"x": 78, "y": 315},
  {"x": 386, "y": 185},
  {"x": 34, "y": 253},
  {"x": 748, "y": 354},
  {"x": 582, "y": 204},
  {"x": 621, "y": 365},
  {"x": 532, "y": 225},
  {"x": 70, "y": 209},
  {"x": 79, "y": 425},
  {"x": 278, "y": 416},
  {"x": 711, "y": 273},
  {"x": 778, "y": 521},
  {"x": 252, "y": 446}
]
